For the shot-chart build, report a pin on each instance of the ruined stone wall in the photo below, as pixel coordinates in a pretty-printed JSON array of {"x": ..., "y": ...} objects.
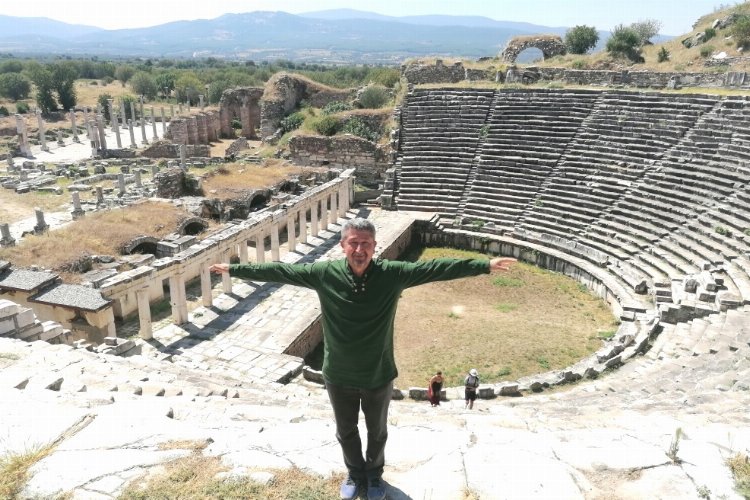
[
  {"x": 284, "y": 92},
  {"x": 165, "y": 149},
  {"x": 418, "y": 73},
  {"x": 241, "y": 104},
  {"x": 433, "y": 73},
  {"x": 550, "y": 45},
  {"x": 369, "y": 159},
  {"x": 199, "y": 129}
]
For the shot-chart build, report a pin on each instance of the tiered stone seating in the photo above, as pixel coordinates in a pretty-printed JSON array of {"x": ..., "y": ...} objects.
[
  {"x": 440, "y": 132},
  {"x": 526, "y": 136},
  {"x": 615, "y": 147}
]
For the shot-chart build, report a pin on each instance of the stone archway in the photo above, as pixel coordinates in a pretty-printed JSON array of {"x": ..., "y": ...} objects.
[{"x": 550, "y": 45}]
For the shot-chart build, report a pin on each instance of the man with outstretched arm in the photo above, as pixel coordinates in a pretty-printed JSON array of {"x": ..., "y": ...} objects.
[{"x": 358, "y": 298}]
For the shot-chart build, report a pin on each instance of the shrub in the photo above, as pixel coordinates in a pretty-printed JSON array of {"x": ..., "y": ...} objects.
[
  {"x": 326, "y": 125},
  {"x": 292, "y": 122},
  {"x": 107, "y": 80},
  {"x": 580, "y": 39},
  {"x": 336, "y": 107},
  {"x": 662, "y": 55},
  {"x": 709, "y": 34},
  {"x": 373, "y": 97},
  {"x": 126, "y": 100},
  {"x": 102, "y": 100},
  {"x": 740, "y": 31},
  {"x": 646, "y": 30},
  {"x": 14, "y": 86},
  {"x": 706, "y": 51},
  {"x": 22, "y": 107},
  {"x": 625, "y": 42},
  {"x": 236, "y": 124},
  {"x": 579, "y": 64},
  {"x": 357, "y": 126},
  {"x": 4, "y": 111}
]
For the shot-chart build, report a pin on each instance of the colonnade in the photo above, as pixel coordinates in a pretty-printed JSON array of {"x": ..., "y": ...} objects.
[{"x": 134, "y": 290}]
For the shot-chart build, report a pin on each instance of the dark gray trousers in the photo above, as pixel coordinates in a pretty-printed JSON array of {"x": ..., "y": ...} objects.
[{"x": 346, "y": 403}]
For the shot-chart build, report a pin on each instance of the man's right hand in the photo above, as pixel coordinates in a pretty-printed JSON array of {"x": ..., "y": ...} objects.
[{"x": 219, "y": 268}]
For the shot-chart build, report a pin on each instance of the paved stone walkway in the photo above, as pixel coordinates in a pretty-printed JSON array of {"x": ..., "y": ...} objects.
[{"x": 113, "y": 419}]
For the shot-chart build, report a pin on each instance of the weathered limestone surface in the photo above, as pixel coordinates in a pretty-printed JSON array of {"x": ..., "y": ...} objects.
[
  {"x": 369, "y": 159},
  {"x": 550, "y": 45}
]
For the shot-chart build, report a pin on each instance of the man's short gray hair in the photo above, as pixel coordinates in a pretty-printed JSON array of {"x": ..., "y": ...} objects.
[{"x": 358, "y": 224}]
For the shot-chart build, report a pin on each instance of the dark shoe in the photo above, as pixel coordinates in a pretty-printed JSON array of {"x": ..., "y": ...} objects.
[
  {"x": 375, "y": 489},
  {"x": 349, "y": 488}
]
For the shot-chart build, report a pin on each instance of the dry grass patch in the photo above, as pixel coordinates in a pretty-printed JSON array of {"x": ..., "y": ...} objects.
[
  {"x": 99, "y": 233},
  {"x": 740, "y": 467},
  {"x": 14, "y": 470},
  {"x": 14, "y": 207},
  {"x": 506, "y": 325},
  {"x": 88, "y": 91},
  {"x": 195, "y": 477},
  {"x": 233, "y": 180}
]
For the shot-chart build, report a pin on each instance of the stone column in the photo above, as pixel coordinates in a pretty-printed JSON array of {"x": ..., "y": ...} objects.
[
  {"x": 23, "y": 138},
  {"x": 242, "y": 252},
  {"x": 260, "y": 248},
  {"x": 113, "y": 122},
  {"x": 275, "y": 243},
  {"x": 290, "y": 232},
  {"x": 183, "y": 156},
  {"x": 73, "y": 126},
  {"x": 343, "y": 200},
  {"x": 100, "y": 129},
  {"x": 133, "y": 145},
  {"x": 144, "y": 313},
  {"x": 11, "y": 166},
  {"x": 41, "y": 225},
  {"x": 171, "y": 112},
  {"x": 121, "y": 183},
  {"x": 179, "y": 108},
  {"x": 324, "y": 213},
  {"x": 163, "y": 123},
  {"x": 124, "y": 114},
  {"x": 206, "y": 294},
  {"x": 143, "y": 124},
  {"x": 303, "y": 226},
  {"x": 6, "y": 240},
  {"x": 99, "y": 195},
  {"x": 42, "y": 138},
  {"x": 133, "y": 116},
  {"x": 154, "y": 170},
  {"x": 187, "y": 103},
  {"x": 200, "y": 98},
  {"x": 334, "y": 209},
  {"x": 314, "y": 218},
  {"x": 77, "y": 212},
  {"x": 226, "y": 280},
  {"x": 153, "y": 124},
  {"x": 23, "y": 175},
  {"x": 60, "y": 141},
  {"x": 138, "y": 181},
  {"x": 177, "y": 298}
]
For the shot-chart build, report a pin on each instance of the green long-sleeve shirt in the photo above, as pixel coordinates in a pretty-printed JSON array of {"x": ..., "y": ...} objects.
[{"x": 358, "y": 312}]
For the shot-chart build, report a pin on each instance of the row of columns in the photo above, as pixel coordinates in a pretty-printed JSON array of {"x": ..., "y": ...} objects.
[
  {"x": 320, "y": 218},
  {"x": 95, "y": 128}
]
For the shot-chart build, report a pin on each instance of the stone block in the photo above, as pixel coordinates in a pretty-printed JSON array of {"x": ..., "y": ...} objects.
[
  {"x": 8, "y": 308},
  {"x": 508, "y": 389},
  {"x": 486, "y": 393},
  {"x": 418, "y": 393},
  {"x": 25, "y": 317}
]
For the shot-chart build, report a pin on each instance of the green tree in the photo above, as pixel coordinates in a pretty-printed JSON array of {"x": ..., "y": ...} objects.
[
  {"x": 11, "y": 66},
  {"x": 740, "y": 31},
  {"x": 124, "y": 73},
  {"x": 14, "y": 86},
  {"x": 625, "y": 42},
  {"x": 42, "y": 78},
  {"x": 374, "y": 96},
  {"x": 646, "y": 29},
  {"x": 64, "y": 75},
  {"x": 165, "y": 82},
  {"x": 187, "y": 88},
  {"x": 144, "y": 84},
  {"x": 580, "y": 39}
]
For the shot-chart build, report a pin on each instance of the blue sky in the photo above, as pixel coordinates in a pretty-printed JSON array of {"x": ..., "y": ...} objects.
[{"x": 676, "y": 16}]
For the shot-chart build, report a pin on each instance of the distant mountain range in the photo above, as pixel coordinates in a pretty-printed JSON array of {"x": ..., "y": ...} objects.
[{"x": 341, "y": 36}]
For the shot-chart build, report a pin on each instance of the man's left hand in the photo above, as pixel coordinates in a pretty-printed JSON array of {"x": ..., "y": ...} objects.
[{"x": 501, "y": 263}]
